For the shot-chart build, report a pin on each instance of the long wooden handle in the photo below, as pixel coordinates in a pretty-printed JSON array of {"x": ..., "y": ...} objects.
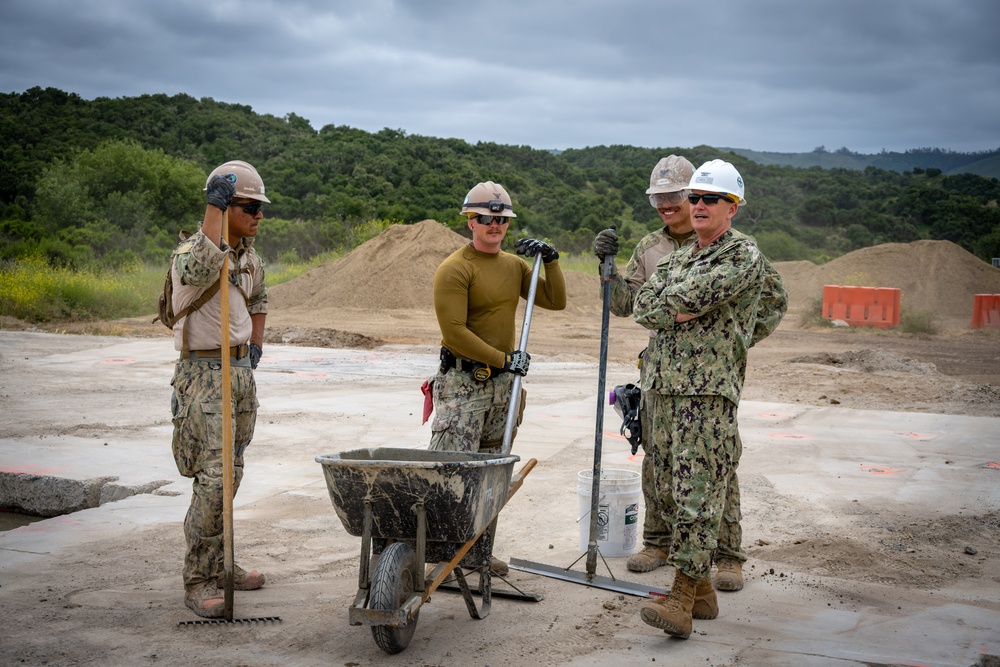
[{"x": 227, "y": 427}]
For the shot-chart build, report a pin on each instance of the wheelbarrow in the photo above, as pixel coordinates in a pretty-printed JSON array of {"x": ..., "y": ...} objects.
[{"x": 413, "y": 507}]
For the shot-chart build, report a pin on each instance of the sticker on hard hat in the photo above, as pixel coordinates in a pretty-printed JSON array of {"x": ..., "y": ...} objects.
[{"x": 704, "y": 178}]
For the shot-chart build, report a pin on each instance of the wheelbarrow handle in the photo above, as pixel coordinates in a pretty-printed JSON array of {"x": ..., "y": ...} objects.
[{"x": 515, "y": 393}]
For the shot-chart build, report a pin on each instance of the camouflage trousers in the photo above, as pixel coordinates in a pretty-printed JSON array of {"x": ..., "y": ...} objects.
[
  {"x": 656, "y": 529},
  {"x": 469, "y": 415},
  {"x": 196, "y": 405},
  {"x": 695, "y": 450}
]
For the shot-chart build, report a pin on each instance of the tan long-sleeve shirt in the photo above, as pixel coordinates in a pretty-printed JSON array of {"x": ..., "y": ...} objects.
[{"x": 476, "y": 296}]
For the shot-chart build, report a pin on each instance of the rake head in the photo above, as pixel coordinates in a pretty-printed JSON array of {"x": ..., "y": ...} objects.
[{"x": 218, "y": 621}]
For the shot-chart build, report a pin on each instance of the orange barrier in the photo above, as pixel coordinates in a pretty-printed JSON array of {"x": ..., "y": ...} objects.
[
  {"x": 986, "y": 311},
  {"x": 862, "y": 306}
]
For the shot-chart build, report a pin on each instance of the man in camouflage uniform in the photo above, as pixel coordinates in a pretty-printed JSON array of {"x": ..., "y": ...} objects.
[
  {"x": 197, "y": 383},
  {"x": 668, "y": 195},
  {"x": 476, "y": 293},
  {"x": 708, "y": 303}
]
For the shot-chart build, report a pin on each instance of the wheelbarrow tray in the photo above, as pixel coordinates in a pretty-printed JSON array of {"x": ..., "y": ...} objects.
[{"x": 462, "y": 492}]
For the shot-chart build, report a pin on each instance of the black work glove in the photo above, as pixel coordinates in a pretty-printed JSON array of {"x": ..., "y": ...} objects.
[
  {"x": 255, "y": 353},
  {"x": 220, "y": 191},
  {"x": 517, "y": 362},
  {"x": 606, "y": 243},
  {"x": 532, "y": 247}
]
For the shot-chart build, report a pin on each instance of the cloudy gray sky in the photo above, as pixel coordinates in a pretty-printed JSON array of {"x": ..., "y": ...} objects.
[{"x": 776, "y": 75}]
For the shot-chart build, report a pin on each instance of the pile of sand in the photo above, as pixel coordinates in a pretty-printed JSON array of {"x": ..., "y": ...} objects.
[{"x": 395, "y": 270}]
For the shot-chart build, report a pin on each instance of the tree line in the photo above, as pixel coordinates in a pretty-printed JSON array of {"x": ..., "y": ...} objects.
[{"x": 112, "y": 181}]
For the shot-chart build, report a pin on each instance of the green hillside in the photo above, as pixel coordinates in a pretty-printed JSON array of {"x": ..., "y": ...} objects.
[
  {"x": 984, "y": 163},
  {"x": 87, "y": 183}
]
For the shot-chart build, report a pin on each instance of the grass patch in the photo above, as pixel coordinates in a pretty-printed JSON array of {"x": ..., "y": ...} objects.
[
  {"x": 584, "y": 263},
  {"x": 813, "y": 315},
  {"x": 282, "y": 272},
  {"x": 33, "y": 291},
  {"x": 918, "y": 322}
]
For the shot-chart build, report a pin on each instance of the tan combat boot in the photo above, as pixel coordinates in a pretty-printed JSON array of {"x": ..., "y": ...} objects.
[
  {"x": 242, "y": 580},
  {"x": 205, "y": 600},
  {"x": 498, "y": 567},
  {"x": 673, "y": 613},
  {"x": 729, "y": 575},
  {"x": 646, "y": 560},
  {"x": 706, "y": 605}
]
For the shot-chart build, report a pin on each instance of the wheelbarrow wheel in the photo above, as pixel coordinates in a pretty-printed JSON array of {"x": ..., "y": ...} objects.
[{"x": 393, "y": 582}]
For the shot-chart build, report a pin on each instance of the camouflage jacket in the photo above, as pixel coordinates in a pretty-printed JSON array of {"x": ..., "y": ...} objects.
[
  {"x": 196, "y": 265},
  {"x": 651, "y": 249},
  {"x": 738, "y": 299}
]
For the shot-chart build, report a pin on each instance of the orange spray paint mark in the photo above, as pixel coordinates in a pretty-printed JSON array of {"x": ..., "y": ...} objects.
[
  {"x": 914, "y": 436},
  {"x": 881, "y": 470},
  {"x": 790, "y": 436}
]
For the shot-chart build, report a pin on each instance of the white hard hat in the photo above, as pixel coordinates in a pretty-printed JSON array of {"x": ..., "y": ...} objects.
[
  {"x": 718, "y": 176},
  {"x": 246, "y": 179},
  {"x": 488, "y": 198}
]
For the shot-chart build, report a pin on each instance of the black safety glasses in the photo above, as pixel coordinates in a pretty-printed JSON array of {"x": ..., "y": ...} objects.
[
  {"x": 661, "y": 199},
  {"x": 492, "y": 219},
  {"x": 710, "y": 200},
  {"x": 253, "y": 208}
]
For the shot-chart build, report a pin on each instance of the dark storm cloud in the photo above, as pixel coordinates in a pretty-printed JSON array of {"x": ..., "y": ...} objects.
[{"x": 770, "y": 75}]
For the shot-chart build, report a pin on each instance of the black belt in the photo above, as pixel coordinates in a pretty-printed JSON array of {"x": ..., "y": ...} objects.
[
  {"x": 236, "y": 352},
  {"x": 479, "y": 370}
]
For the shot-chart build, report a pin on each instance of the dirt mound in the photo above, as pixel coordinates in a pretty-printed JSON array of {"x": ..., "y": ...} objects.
[
  {"x": 868, "y": 361},
  {"x": 321, "y": 337},
  {"x": 395, "y": 270},
  {"x": 936, "y": 277}
]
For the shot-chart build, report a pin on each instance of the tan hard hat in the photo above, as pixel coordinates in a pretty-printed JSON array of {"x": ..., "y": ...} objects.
[
  {"x": 488, "y": 198},
  {"x": 246, "y": 179},
  {"x": 671, "y": 174}
]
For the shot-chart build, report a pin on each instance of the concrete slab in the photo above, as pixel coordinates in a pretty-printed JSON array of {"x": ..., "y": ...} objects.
[{"x": 86, "y": 408}]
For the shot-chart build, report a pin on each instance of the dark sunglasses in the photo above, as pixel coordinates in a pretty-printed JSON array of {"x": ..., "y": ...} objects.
[
  {"x": 710, "y": 200},
  {"x": 253, "y": 208},
  {"x": 661, "y": 199},
  {"x": 491, "y": 219}
]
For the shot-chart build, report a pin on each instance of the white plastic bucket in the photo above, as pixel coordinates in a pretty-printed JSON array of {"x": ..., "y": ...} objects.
[{"x": 617, "y": 511}]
